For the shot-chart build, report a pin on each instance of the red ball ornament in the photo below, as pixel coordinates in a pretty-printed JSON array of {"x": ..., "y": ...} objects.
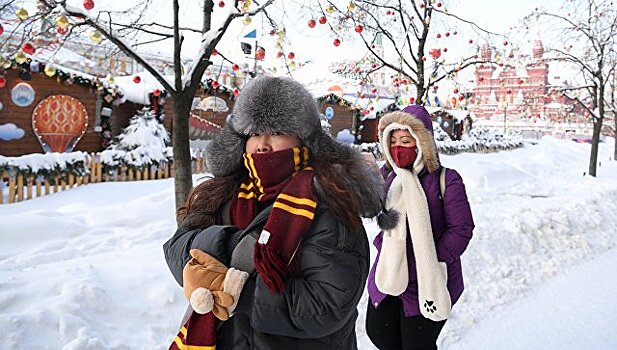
[
  {"x": 291, "y": 55},
  {"x": 435, "y": 87},
  {"x": 221, "y": 3},
  {"x": 88, "y": 4},
  {"x": 423, "y": 58},
  {"x": 509, "y": 92},
  {"x": 1, "y": 29},
  {"x": 505, "y": 43},
  {"x": 456, "y": 91},
  {"x": 421, "y": 6},
  {"x": 445, "y": 49},
  {"x": 235, "y": 67},
  {"x": 156, "y": 92},
  {"x": 137, "y": 79},
  {"x": 322, "y": 20},
  {"x": 520, "y": 81},
  {"x": 311, "y": 23},
  {"x": 461, "y": 97},
  {"x": 388, "y": 12},
  {"x": 435, "y": 53},
  {"x": 279, "y": 54},
  {"x": 62, "y": 31},
  {"x": 439, "y": 4},
  {"x": 337, "y": 42},
  {"x": 2, "y": 82},
  {"x": 236, "y": 92},
  {"x": 28, "y": 48},
  {"x": 438, "y": 35},
  {"x": 447, "y": 34},
  {"x": 412, "y": 100},
  {"x": 359, "y": 29},
  {"x": 215, "y": 84},
  {"x": 470, "y": 41},
  {"x": 214, "y": 52}
]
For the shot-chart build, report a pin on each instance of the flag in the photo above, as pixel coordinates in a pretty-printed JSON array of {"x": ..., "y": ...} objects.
[{"x": 252, "y": 34}]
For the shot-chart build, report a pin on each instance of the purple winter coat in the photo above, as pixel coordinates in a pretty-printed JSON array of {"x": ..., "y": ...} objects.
[{"x": 452, "y": 225}]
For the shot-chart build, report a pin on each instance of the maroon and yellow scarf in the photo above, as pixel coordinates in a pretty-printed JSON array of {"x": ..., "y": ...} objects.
[
  {"x": 199, "y": 332},
  {"x": 284, "y": 177}
]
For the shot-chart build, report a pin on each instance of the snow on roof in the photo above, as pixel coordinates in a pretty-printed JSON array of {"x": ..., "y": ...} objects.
[
  {"x": 379, "y": 104},
  {"x": 64, "y": 57},
  {"x": 138, "y": 92}
]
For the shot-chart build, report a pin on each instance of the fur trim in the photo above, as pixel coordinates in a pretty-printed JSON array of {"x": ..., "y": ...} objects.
[
  {"x": 202, "y": 300},
  {"x": 425, "y": 139},
  {"x": 234, "y": 282}
]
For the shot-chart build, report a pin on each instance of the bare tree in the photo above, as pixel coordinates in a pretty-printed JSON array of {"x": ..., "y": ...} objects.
[
  {"x": 587, "y": 34},
  {"x": 127, "y": 36},
  {"x": 402, "y": 37}
]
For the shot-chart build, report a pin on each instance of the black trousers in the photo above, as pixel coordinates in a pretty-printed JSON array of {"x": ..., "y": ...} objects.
[{"x": 389, "y": 329}]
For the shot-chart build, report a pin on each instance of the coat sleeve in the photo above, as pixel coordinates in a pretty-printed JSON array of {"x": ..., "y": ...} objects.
[
  {"x": 212, "y": 240},
  {"x": 458, "y": 218},
  {"x": 325, "y": 294}
]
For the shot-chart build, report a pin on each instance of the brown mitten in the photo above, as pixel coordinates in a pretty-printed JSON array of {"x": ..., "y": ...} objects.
[{"x": 210, "y": 286}]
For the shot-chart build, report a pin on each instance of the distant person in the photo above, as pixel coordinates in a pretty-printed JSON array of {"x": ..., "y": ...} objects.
[
  {"x": 417, "y": 275},
  {"x": 285, "y": 206}
]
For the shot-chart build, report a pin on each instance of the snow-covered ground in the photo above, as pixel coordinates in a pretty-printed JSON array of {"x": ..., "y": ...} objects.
[{"x": 84, "y": 269}]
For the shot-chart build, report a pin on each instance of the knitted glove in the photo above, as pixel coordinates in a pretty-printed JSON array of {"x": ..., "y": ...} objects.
[{"x": 210, "y": 286}]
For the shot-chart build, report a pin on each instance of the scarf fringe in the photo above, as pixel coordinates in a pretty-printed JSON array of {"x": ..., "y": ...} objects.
[{"x": 270, "y": 266}]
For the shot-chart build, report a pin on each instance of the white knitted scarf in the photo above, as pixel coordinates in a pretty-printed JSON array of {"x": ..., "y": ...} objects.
[{"x": 392, "y": 273}]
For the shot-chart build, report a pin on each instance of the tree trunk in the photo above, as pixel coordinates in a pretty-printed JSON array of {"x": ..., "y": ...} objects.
[
  {"x": 595, "y": 145},
  {"x": 615, "y": 136},
  {"x": 183, "y": 177}
]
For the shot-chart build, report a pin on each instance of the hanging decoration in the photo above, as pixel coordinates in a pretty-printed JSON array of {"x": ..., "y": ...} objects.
[
  {"x": 351, "y": 6},
  {"x": 88, "y": 4},
  {"x": 62, "y": 22},
  {"x": 1, "y": 29},
  {"x": 20, "y": 57},
  {"x": 2, "y": 82},
  {"x": 329, "y": 9},
  {"x": 28, "y": 48},
  {"x": 137, "y": 79},
  {"x": 96, "y": 36},
  {"x": 50, "y": 71},
  {"x": 22, "y": 14},
  {"x": 246, "y": 19}
]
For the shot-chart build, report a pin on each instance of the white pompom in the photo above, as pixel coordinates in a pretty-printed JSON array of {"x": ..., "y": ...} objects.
[{"x": 202, "y": 300}]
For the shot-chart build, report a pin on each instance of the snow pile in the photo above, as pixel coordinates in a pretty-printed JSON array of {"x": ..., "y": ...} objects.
[
  {"x": 47, "y": 165},
  {"x": 479, "y": 140}
]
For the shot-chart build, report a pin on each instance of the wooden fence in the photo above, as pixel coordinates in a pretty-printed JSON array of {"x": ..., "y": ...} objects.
[{"x": 19, "y": 187}]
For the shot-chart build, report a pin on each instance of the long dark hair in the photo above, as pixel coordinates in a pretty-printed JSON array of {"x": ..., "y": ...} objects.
[{"x": 205, "y": 201}]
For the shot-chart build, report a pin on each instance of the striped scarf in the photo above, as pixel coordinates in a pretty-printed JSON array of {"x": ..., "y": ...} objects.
[
  {"x": 284, "y": 177},
  {"x": 199, "y": 332}
]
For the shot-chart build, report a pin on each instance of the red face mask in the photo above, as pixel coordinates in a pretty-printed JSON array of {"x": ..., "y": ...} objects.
[{"x": 404, "y": 156}]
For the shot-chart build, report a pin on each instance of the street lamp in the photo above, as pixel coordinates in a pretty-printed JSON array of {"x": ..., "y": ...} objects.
[{"x": 504, "y": 104}]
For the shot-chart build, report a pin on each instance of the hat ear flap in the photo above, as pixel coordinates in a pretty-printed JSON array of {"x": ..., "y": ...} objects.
[{"x": 224, "y": 152}]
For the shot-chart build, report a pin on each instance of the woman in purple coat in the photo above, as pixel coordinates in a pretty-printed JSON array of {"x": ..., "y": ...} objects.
[{"x": 417, "y": 275}]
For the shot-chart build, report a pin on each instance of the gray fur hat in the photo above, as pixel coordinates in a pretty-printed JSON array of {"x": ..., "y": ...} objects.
[{"x": 275, "y": 104}]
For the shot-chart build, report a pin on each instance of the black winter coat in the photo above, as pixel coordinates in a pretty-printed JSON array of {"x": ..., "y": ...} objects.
[{"x": 318, "y": 309}]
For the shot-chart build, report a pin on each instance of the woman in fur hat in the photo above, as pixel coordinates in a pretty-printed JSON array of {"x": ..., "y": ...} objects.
[
  {"x": 417, "y": 276},
  {"x": 297, "y": 198}
]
